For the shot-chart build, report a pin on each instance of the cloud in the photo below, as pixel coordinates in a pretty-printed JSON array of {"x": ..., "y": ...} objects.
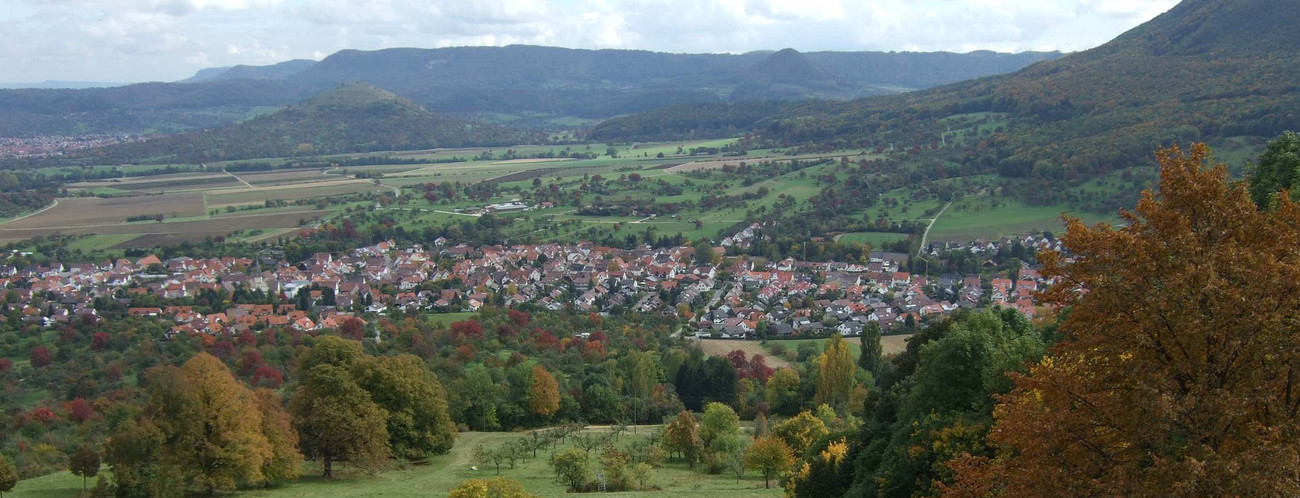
[{"x": 135, "y": 40}]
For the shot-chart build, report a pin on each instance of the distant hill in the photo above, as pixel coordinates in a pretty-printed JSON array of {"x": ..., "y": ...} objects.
[
  {"x": 351, "y": 118},
  {"x": 1205, "y": 70},
  {"x": 522, "y": 85},
  {"x": 272, "y": 72}
]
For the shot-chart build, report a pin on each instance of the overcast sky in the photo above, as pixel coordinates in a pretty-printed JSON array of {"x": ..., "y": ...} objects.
[{"x": 165, "y": 40}]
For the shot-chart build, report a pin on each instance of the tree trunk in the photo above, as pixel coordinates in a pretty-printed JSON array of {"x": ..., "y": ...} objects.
[
  {"x": 329, "y": 468},
  {"x": 766, "y": 485}
]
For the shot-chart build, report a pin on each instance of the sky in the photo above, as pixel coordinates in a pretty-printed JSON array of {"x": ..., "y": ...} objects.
[{"x": 168, "y": 40}]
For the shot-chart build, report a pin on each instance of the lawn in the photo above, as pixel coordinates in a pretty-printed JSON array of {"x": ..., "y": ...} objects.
[{"x": 443, "y": 473}]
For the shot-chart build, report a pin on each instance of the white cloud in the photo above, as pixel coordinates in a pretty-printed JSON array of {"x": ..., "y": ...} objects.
[{"x": 134, "y": 40}]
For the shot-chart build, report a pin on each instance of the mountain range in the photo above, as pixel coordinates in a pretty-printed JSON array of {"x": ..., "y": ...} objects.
[{"x": 520, "y": 85}]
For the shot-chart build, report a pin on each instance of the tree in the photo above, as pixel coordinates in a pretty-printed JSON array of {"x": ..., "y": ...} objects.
[
  {"x": 337, "y": 421},
  {"x": 572, "y": 469},
  {"x": 414, "y": 401},
  {"x": 277, "y": 426},
  {"x": 1161, "y": 383},
  {"x": 210, "y": 422},
  {"x": 835, "y": 373},
  {"x": 682, "y": 436},
  {"x": 84, "y": 463},
  {"x": 1277, "y": 170},
  {"x": 704, "y": 252},
  {"x": 8, "y": 475},
  {"x": 770, "y": 456},
  {"x": 544, "y": 396},
  {"x": 719, "y": 421},
  {"x": 800, "y": 431},
  {"x": 499, "y": 487},
  {"x": 782, "y": 391},
  {"x": 872, "y": 356},
  {"x": 487, "y": 456}
]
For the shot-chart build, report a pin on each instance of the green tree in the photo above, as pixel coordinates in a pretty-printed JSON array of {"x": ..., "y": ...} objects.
[
  {"x": 8, "y": 475},
  {"x": 704, "y": 252},
  {"x": 572, "y": 469},
  {"x": 337, "y": 421},
  {"x": 1277, "y": 170},
  {"x": 782, "y": 391},
  {"x": 719, "y": 421},
  {"x": 134, "y": 453},
  {"x": 84, "y": 463},
  {"x": 835, "y": 373},
  {"x": 415, "y": 403},
  {"x": 872, "y": 356},
  {"x": 770, "y": 456}
]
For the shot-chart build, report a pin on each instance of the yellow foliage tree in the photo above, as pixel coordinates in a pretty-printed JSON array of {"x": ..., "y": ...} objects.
[
  {"x": 835, "y": 373},
  {"x": 544, "y": 397}
]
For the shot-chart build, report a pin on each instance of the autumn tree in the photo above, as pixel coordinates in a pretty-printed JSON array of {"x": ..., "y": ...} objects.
[
  {"x": 683, "y": 436},
  {"x": 8, "y": 476},
  {"x": 770, "y": 456},
  {"x": 211, "y": 425},
  {"x": 85, "y": 463},
  {"x": 836, "y": 371},
  {"x": 277, "y": 426},
  {"x": 337, "y": 421},
  {"x": 544, "y": 396},
  {"x": 1177, "y": 368},
  {"x": 801, "y": 430}
]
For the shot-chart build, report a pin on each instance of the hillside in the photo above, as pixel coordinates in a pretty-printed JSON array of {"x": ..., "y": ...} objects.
[
  {"x": 352, "y": 118},
  {"x": 524, "y": 85},
  {"x": 1206, "y": 70}
]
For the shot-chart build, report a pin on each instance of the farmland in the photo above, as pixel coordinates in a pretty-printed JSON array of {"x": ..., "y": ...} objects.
[{"x": 686, "y": 190}]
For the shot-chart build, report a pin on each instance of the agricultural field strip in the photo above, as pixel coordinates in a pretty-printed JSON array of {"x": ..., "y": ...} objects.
[{"x": 106, "y": 225}]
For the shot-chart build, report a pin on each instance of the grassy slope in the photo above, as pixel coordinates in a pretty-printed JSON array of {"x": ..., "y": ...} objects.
[{"x": 443, "y": 473}]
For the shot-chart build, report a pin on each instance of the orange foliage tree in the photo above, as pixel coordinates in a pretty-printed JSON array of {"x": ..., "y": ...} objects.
[{"x": 1177, "y": 372}]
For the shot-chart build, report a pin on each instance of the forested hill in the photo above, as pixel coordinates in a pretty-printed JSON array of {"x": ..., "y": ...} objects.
[
  {"x": 528, "y": 84},
  {"x": 1205, "y": 70},
  {"x": 352, "y": 118}
]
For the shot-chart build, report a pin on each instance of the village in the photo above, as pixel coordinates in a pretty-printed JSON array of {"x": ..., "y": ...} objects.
[{"x": 727, "y": 297}]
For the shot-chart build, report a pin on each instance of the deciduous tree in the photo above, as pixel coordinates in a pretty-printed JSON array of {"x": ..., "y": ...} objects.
[
  {"x": 337, "y": 421},
  {"x": 835, "y": 373},
  {"x": 8, "y": 476},
  {"x": 683, "y": 436},
  {"x": 1177, "y": 370},
  {"x": 414, "y": 401},
  {"x": 84, "y": 463},
  {"x": 770, "y": 456},
  {"x": 544, "y": 396}
]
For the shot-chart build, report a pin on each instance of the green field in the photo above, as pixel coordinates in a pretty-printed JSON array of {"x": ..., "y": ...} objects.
[{"x": 443, "y": 473}]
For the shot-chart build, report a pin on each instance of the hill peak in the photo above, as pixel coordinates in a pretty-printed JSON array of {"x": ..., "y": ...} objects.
[
  {"x": 1196, "y": 27},
  {"x": 356, "y": 96}
]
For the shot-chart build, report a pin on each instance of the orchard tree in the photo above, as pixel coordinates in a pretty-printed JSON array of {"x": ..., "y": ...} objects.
[
  {"x": 683, "y": 436},
  {"x": 84, "y": 463},
  {"x": 499, "y": 487},
  {"x": 1177, "y": 369},
  {"x": 770, "y": 456},
  {"x": 8, "y": 475}
]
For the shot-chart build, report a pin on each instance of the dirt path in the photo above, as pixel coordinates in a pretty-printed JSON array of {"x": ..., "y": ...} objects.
[
  {"x": 34, "y": 213},
  {"x": 931, "y": 225}
]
